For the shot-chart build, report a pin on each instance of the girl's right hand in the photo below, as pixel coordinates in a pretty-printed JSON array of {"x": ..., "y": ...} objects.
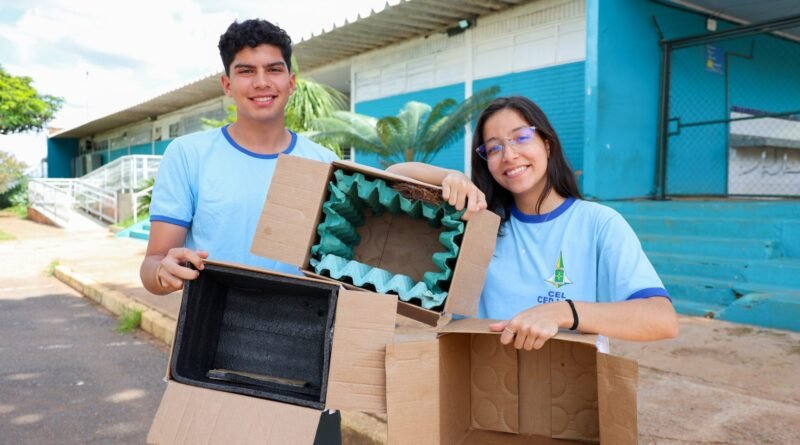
[{"x": 462, "y": 193}]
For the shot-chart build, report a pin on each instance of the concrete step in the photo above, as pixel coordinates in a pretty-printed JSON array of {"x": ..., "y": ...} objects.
[
  {"x": 140, "y": 230},
  {"x": 714, "y": 227},
  {"x": 783, "y": 272},
  {"x": 718, "y": 292},
  {"x": 777, "y": 310},
  {"x": 698, "y": 290},
  {"x": 695, "y": 309},
  {"x": 759, "y": 249},
  {"x": 761, "y": 209},
  {"x": 140, "y": 234}
]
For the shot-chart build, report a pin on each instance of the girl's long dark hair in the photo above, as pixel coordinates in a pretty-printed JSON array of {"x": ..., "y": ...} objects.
[{"x": 559, "y": 176}]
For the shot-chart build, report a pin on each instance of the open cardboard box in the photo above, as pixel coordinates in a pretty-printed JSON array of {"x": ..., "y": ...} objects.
[
  {"x": 467, "y": 388},
  {"x": 257, "y": 355},
  {"x": 397, "y": 243}
]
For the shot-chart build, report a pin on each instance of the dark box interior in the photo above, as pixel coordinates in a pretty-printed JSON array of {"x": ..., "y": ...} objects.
[{"x": 265, "y": 336}]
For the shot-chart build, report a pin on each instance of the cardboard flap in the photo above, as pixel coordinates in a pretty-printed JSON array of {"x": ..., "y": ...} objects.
[
  {"x": 382, "y": 174},
  {"x": 412, "y": 392},
  {"x": 364, "y": 325},
  {"x": 308, "y": 277},
  {"x": 291, "y": 212},
  {"x": 191, "y": 415},
  {"x": 473, "y": 262},
  {"x": 481, "y": 326},
  {"x": 617, "y": 381}
]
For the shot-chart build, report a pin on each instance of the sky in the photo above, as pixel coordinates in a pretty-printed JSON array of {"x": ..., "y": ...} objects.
[{"x": 103, "y": 56}]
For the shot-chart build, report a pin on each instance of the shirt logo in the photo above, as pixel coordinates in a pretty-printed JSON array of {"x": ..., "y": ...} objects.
[{"x": 559, "y": 277}]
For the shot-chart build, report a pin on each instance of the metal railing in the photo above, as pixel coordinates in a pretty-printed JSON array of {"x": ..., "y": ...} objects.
[
  {"x": 135, "y": 198},
  {"x": 54, "y": 196},
  {"x": 97, "y": 192},
  {"x": 96, "y": 201},
  {"x": 127, "y": 173}
]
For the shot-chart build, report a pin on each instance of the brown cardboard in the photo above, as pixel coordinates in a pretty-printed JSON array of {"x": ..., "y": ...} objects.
[
  {"x": 293, "y": 208},
  {"x": 494, "y": 387},
  {"x": 566, "y": 392},
  {"x": 191, "y": 415},
  {"x": 364, "y": 324},
  {"x": 413, "y": 391},
  {"x": 398, "y": 243},
  {"x": 289, "y": 219}
]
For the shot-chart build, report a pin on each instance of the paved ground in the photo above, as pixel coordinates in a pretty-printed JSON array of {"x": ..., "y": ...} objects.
[
  {"x": 718, "y": 383},
  {"x": 66, "y": 376}
]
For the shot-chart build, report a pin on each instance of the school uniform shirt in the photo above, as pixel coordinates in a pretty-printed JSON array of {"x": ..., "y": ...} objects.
[
  {"x": 581, "y": 250},
  {"x": 216, "y": 188}
]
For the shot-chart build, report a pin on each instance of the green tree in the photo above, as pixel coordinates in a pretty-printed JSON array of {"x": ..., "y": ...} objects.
[
  {"x": 22, "y": 108},
  {"x": 311, "y": 100},
  {"x": 12, "y": 179},
  {"x": 417, "y": 133}
]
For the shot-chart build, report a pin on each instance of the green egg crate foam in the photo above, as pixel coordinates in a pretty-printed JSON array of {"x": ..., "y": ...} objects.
[{"x": 350, "y": 196}]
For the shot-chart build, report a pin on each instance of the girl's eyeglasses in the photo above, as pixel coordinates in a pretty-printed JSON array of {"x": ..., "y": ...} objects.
[{"x": 494, "y": 148}]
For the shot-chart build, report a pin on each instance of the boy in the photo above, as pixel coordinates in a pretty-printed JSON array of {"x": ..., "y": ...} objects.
[{"x": 211, "y": 185}]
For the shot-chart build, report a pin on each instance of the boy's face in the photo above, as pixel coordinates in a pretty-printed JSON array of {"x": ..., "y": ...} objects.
[{"x": 259, "y": 83}]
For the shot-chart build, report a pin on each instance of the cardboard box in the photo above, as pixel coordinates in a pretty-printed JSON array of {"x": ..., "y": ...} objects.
[
  {"x": 467, "y": 388},
  {"x": 293, "y": 209},
  {"x": 257, "y": 355}
]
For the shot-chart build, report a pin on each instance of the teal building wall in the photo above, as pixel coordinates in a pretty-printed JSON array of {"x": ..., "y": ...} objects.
[{"x": 60, "y": 155}]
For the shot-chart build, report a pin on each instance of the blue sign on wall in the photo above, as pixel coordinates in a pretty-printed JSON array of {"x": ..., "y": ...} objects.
[{"x": 715, "y": 59}]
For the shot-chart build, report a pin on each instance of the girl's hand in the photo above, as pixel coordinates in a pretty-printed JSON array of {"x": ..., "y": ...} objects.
[
  {"x": 461, "y": 193},
  {"x": 531, "y": 328}
]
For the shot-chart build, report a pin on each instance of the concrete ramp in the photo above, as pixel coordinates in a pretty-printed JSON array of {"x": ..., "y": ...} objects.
[{"x": 66, "y": 218}]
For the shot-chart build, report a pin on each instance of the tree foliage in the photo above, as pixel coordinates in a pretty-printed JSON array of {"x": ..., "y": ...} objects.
[
  {"x": 417, "y": 133},
  {"x": 13, "y": 185},
  {"x": 12, "y": 170},
  {"x": 22, "y": 108}
]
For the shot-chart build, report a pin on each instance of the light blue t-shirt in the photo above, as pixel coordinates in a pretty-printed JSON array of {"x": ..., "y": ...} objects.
[
  {"x": 582, "y": 250},
  {"x": 216, "y": 188}
]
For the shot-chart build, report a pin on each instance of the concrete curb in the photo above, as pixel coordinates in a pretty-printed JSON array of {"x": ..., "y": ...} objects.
[
  {"x": 153, "y": 322},
  {"x": 357, "y": 428}
]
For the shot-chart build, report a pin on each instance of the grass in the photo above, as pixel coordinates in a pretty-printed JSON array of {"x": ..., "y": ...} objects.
[
  {"x": 18, "y": 211},
  {"x": 51, "y": 268},
  {"x": 129, "y": 320},
  {"x": 127, "y": 222},
  {"x": 5, "y": 236}
]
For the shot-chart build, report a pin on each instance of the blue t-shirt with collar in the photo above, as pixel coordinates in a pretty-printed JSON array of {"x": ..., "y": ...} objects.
[
  {"x": 216, "y": 188},
  {"x": 581, "y": 250}
]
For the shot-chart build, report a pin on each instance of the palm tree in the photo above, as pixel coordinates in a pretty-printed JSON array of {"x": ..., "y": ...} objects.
[
  {"x": 311, "y": 100},
  {"x": 417, "y": 133}
]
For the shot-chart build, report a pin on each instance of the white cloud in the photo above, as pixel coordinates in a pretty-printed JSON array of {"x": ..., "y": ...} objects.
[{"x": 103, "y": 56}]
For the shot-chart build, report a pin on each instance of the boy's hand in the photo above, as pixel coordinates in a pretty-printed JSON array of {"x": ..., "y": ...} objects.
[
  {"x": 172, "y": 270},
  {"x": 461, "y": 193}
]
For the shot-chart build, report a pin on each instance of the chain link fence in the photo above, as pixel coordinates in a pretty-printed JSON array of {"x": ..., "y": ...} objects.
[{"x": 731, "y": 114}]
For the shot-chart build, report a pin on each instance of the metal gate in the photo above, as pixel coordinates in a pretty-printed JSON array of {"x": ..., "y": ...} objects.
[{"x": 729, "y": 118}]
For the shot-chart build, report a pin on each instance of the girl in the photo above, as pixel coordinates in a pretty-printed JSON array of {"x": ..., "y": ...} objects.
[{"x": 560, "y": 261}]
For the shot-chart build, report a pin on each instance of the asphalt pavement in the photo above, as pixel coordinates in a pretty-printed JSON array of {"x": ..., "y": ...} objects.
[{"x": 66, "y": 375}]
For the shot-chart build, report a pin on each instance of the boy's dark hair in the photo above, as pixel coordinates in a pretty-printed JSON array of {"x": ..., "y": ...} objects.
[
  {"x": 253, "y": 33},
  {"x": 559, "y": 175}
]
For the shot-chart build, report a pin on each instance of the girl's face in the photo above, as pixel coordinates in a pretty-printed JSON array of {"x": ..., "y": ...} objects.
[{"x": 521, "y": 166}]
